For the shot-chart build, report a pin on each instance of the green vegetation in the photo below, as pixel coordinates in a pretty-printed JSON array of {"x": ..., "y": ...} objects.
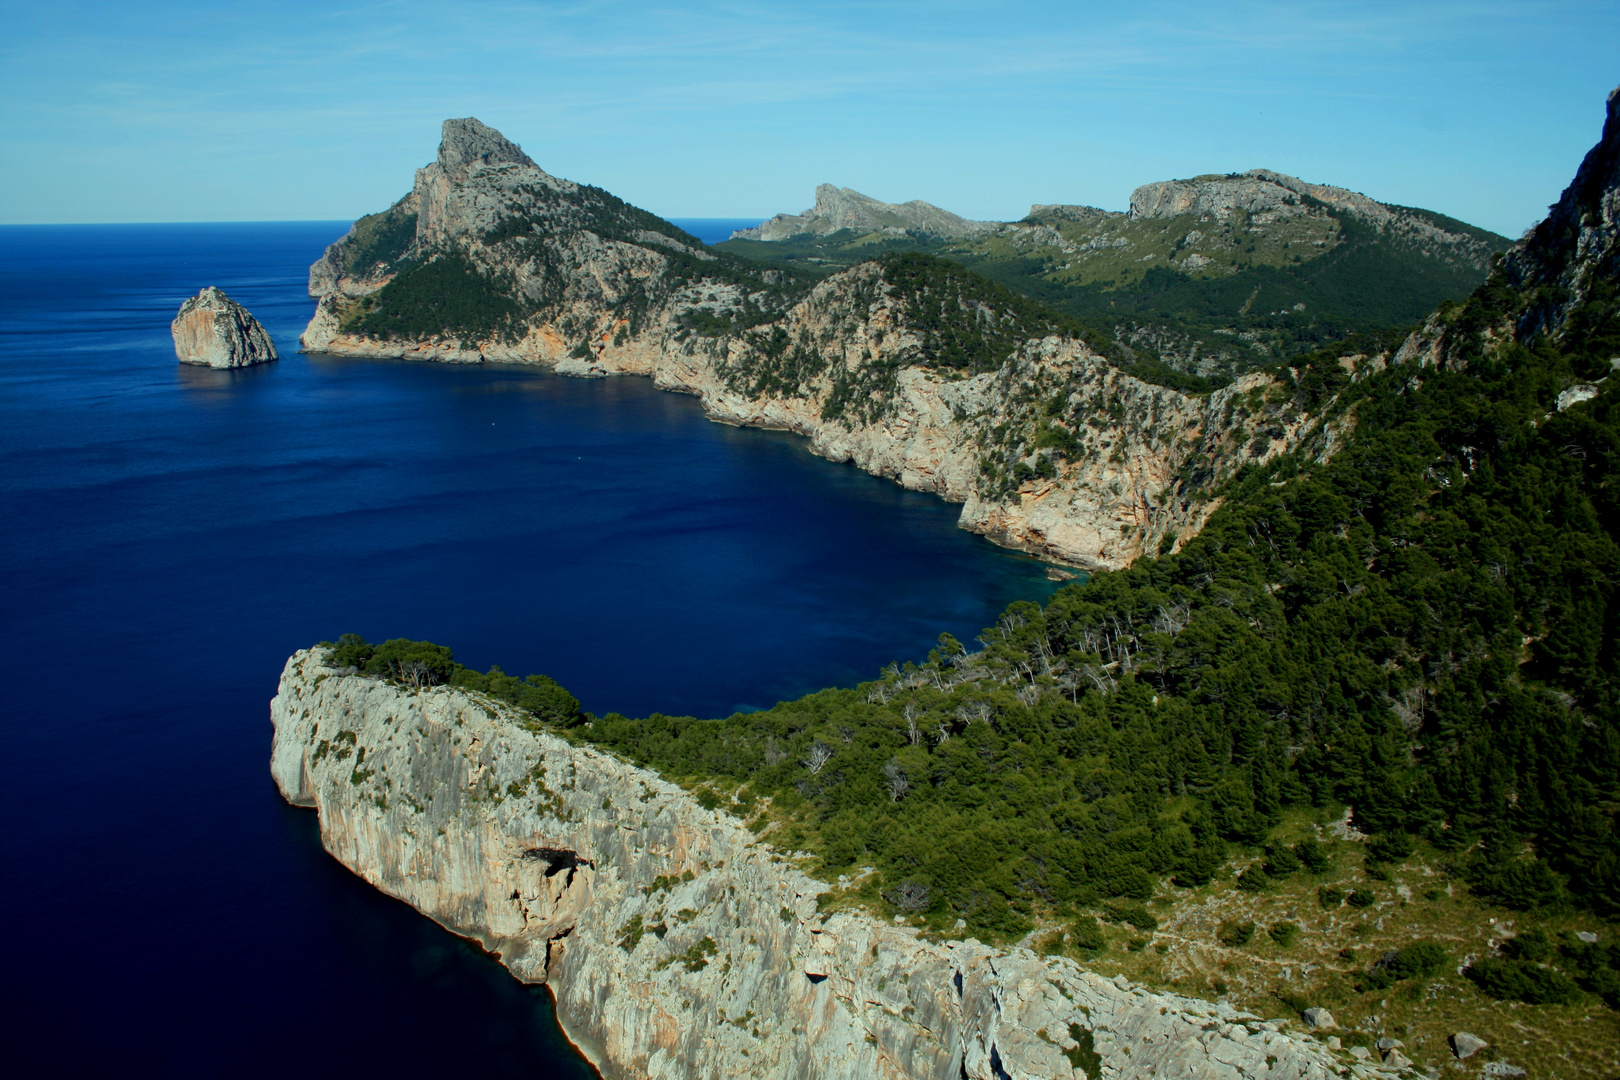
[
  {"x": 445, "y": 293},
  {"x": 1420, "y": 629},
  {"x": 421, "y": 663},
  {"x": 1534, "y": 969},
  {"x": 539, "y": 229},
  {"x": 1414, "y": 629},
  {"x": 1418, "y": 960},
  {"x": 378, "y": 240},
  {"x": 1284, "y": 933},
  {"x": 966, "y": 321},
  {"x": 1187, "y": 298},
  {"x": 1513, "y": 980}
]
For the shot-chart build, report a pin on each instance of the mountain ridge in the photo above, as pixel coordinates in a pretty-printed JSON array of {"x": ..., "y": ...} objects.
[
  {"x": 910, "y": 367},
  {"x": 845, "y": 208},
  {"x": 1210, "y": 276}
]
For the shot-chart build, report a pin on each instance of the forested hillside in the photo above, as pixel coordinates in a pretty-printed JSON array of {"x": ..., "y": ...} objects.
[{"x": 1421, "y": 630}]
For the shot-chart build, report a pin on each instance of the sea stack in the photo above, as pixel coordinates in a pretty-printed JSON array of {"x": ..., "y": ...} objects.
[{"x": 213, "y": 330}]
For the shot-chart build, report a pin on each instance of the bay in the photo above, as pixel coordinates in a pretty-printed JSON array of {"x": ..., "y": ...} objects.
[{"x": 168, "y": 535}]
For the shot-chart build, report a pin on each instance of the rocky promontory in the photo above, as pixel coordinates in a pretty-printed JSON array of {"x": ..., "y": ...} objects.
[
  {"x": 918, "y": 371},
  {"x": 215, "y": 331},
  {"x": 679, "y": 945}
]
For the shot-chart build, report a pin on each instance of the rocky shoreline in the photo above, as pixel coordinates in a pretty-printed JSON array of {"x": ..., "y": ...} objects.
[
  {"x": 678, "y": 945},
  {"x": 1130, "y": 497},
  {"x": 1127, "y": 467}
]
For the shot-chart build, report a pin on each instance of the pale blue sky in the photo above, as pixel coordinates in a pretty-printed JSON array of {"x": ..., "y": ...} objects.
[{"x": 176, "y": 111}]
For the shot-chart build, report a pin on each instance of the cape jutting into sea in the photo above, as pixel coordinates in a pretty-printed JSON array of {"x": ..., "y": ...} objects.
[{"x": 172, "y": 534}]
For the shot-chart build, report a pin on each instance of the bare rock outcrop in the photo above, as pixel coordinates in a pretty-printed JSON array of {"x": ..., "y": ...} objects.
[
  {"x": 1545, "y": 282},
  {"x": 213, "y": 330},
  {"x": 845, "y": 208},
  {"x": 678, "y": 945},
  {"x": 1267, "y": 197},
  {"x": 1578, "y": 244}
]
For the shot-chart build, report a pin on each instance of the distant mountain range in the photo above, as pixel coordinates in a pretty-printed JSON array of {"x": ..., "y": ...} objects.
[
  {"x": 838, "y": 209},
  {"x": 1206, "y": 276}
]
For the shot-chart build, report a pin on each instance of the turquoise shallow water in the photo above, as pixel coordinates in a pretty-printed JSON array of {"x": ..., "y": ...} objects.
[{"x": 172, "y": 534}]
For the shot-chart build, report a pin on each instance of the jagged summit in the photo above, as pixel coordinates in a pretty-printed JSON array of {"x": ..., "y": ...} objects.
[
  {"x": 1559, "y": 281},
  {"x": 845, "y": 208},
  {"x": 1580, "y": 238},
  {"x": 469, "y": 141}
]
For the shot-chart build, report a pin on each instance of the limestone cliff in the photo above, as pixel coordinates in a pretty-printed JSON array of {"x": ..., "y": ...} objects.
[
  {"x": 968, "y": 394},
  {"x": 675, "y": 943},
  {"x": 213, "y": 330}
]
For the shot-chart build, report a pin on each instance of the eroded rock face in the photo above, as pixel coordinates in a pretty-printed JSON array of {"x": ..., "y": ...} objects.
[
  {"x": 679, "y": 946},
  {"x": 213, "y": 330},
  {"x": 1578, "y": 245}
]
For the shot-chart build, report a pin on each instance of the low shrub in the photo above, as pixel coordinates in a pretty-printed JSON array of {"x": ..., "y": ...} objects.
[
  {"x": 1284, "y": 933},
  {"x": 1314, "y": 855},
  {"x": 1519, "y": 980},
  {"x": 1235, "y": 935},
  {"x": 1087, "y": 934}
]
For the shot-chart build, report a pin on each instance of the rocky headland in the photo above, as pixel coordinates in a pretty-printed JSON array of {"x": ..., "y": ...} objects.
[
  {"x": 678, "y": 945},
  {"x": 215, "y": 331},
  {"x": 914, "y": 374}
]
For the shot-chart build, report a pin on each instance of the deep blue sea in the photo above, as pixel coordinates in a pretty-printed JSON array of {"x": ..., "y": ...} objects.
[{"x": 169, "y": 534}]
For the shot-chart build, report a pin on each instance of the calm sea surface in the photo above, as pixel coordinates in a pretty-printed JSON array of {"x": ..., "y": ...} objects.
[{"x": 168, "y": 535}]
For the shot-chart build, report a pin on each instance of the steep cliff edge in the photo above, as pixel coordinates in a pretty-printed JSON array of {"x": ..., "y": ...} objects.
[
  {"x": 679, "y": 946},
  {"x": 1557, "y": 286},
  {"x": 911, "y": 368}
]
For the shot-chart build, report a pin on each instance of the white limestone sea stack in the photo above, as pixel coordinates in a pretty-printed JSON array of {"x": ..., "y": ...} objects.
[
  {"x": 215, "y": 331},
  {"x": 676, "y": 943}
]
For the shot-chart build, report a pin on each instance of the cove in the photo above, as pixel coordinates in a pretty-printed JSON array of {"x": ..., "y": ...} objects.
[{"x": 171, "y": 535}]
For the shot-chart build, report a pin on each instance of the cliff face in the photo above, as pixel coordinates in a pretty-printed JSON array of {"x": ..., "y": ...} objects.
[
  {"x": 1053, "y": 450},
  {"x": 675, "y": 943},
  {"x": 1557, "y": 281},
  {"x": 213, "y": 330},
  {"x": 1577, "y": 246}
]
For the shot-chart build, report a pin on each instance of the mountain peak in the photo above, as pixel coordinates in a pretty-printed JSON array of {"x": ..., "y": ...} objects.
[
  {"x": 845, "y": 208},
  {"x": 469, "y": 141}
]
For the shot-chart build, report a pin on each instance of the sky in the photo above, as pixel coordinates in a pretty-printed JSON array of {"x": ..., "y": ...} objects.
[{"x": 222, "y": 111}]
